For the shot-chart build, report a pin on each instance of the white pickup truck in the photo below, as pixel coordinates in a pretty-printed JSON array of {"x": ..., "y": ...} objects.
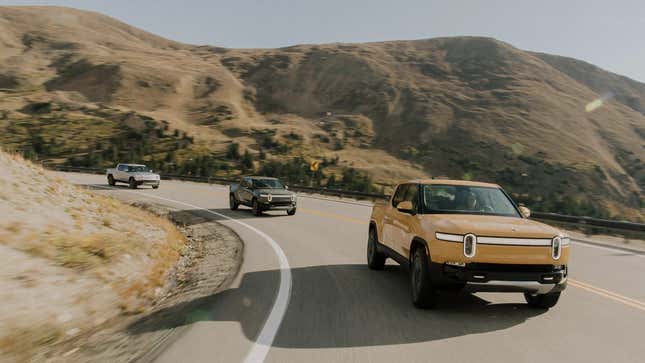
[{"x": 134, "y": 175}]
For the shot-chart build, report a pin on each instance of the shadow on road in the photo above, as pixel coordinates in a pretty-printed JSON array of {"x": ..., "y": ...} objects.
[
  {"x": 342, "y": 306},
  {"x": 242, "y": 213}
]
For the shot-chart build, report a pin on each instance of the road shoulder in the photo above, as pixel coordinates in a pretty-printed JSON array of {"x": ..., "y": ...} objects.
[{"x": 208, "y": 265}]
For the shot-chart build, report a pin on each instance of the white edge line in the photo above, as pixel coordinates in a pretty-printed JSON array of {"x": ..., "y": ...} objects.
[
  {"x": 606, "y": 248},
  {"x": 265, "y": 339}
]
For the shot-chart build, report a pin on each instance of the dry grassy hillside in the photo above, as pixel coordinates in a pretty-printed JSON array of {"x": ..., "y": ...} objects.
[
  {"x": 610, "y": 85},
  {"x": 462, "y": 107},
  {"x": 72, "y": 260}
]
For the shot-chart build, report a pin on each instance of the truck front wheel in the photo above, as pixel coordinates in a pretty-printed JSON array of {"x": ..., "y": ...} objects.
[
  {"x": 375, "y": 259},
  {"x": 132, "y": 183},
  {"x": 423, "y": 293},
  {"x": 255, "y": 208},
  {"x": 111, "y": 181}
]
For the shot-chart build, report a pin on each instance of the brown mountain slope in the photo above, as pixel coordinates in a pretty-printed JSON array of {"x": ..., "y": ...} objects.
[{"x": 464, "y": 107}]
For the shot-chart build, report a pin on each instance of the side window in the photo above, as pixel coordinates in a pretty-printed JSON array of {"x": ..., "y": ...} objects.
[
  {"x": 246, "y": 182},
  {"x": 121, "y": 168},
  {"x": 399, "y": 194},
  {"x": 412, "y": 194}
]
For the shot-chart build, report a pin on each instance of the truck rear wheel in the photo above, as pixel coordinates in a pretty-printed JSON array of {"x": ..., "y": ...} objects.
[
  {"x": 423, "y": 293},
  {"x": 375, "y": 259},
  {"x": 542, "y": 301},
  {"x": 232, "y": 202}
]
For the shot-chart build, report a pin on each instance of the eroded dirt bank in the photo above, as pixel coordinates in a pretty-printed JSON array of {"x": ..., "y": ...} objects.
[{"x": 209, "y": 263}]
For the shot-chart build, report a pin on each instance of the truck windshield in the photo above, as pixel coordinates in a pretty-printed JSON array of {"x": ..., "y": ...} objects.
[
  {"x": 463, "y": 199},
  {"x": 139, "y": 169},
  {"x": 267, "y": 183}
]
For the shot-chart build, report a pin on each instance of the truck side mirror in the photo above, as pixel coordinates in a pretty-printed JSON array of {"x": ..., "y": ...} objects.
[
  {"x": 406, "y": 207},
  {"x": 286, "y": 187},
  {"x": 525, "y": 211}
]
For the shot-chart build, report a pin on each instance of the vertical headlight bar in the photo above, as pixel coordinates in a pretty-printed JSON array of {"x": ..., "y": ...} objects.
[
  {"x": 556, "y": 247},
  {"x": 470, "y": 245}
]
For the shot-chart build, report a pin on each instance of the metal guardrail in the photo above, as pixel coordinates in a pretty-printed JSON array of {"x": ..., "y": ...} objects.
[
  {"x": 575, "y": 220},
  {"x": 590, "y": 222},
  {"x": 210, "y": 180}
]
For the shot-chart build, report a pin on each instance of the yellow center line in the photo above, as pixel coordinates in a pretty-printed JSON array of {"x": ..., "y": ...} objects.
[
  {"x": 608, "y": 294},
  {"x": 582, "y": 285}
]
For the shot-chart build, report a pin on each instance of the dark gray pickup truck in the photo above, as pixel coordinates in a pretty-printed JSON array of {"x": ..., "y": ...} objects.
[{"x": 262, "y": 193}]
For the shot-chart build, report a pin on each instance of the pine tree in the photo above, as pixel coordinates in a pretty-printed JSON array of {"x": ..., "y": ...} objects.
[
  {"x": 247, "y": 161},
  {"x": 233, "y": 151}
]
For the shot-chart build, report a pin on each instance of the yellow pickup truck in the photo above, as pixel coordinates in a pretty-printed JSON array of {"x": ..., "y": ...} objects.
[{"x": 467, "y": 235}]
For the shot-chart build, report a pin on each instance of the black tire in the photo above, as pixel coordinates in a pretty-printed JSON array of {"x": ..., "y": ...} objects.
[
  {"x": 111, "y": 181},
  {"x": 291, "y": 211},
  {"x": 542, "y": 301},
  {"x": 255, "y": 208},
  {"x": 132, "y": 183},
  {"x": 232, "y": 202},
  {"x": 155, "y": 187},
  {"x": 375, "y": 259},
  {"x": 423, "y": 293}
]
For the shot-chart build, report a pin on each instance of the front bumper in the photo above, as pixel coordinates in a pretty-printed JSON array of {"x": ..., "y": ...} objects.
[
  {"x": 488, "y": 277},
  {"x": 148, "y": 182},
  {"x": 532, "y": 287},
  {"x": 277, "y": 202},
  {"x": 277, "y": 205}
]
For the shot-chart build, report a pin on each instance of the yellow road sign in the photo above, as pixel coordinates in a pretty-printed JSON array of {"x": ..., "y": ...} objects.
[{"x": 315, "y": 164}]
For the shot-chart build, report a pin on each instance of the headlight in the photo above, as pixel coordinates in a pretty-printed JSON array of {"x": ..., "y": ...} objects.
[
  {"x": 470, "y": 245},
  {"x": 449, "y": 237},
  {"x": 293, "y": 197},
  {"x": 556, "y": 247},
  {"x": 268, "y": 197}
]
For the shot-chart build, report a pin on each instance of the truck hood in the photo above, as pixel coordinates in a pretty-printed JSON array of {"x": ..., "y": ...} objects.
[{"x": 494, "y": 226}]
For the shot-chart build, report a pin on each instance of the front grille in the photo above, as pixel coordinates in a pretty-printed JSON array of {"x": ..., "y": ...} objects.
[
  {"x": 496, "y": 267},
  {"x": 280, "y": 203}
]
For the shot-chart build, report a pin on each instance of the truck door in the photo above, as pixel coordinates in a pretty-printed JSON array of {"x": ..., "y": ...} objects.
[
  {"x": 389, "y": 234},
  {"x": 245, "y": 193},
  {"x": 120, "y": 173},
  {"x": 403, "y": 223}
]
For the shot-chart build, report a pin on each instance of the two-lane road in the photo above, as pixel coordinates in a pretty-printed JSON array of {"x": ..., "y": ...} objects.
[{"x": 305, "y": 290}]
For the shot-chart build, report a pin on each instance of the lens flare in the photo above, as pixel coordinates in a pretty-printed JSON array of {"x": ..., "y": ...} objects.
[{"x": 593, "y": 105}]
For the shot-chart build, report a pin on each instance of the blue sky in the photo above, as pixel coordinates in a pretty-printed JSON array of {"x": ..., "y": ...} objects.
[{"x": 608, "y": 33}]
